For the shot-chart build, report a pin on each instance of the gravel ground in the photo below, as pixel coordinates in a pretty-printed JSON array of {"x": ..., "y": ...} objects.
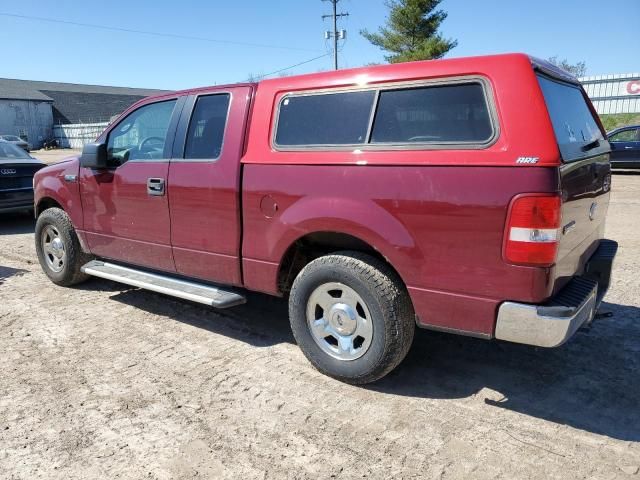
[{"x": 106, "y": 381}]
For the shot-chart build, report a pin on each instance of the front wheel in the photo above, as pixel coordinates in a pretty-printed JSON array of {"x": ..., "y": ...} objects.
[
  {"x": 352, "y": 316},
  {"x": 58, "y": 248}
]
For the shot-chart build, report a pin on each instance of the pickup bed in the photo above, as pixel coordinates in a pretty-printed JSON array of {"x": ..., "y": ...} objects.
[{"x": 465, "y": 195}]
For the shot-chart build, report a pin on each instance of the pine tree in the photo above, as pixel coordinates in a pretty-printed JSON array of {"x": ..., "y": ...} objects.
[{"x": 411, "y": 32}]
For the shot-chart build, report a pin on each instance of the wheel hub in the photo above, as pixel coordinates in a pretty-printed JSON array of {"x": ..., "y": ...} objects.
[
  {"x": 57, "y": 247},
  {"x": 339, "y": 321},
  {"x": 53, "y": 248},
  {"x": 343, "y": 319}
]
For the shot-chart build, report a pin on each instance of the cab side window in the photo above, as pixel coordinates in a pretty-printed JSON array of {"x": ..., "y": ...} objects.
[
  {"x": 631, "y": 135},
  {"x": 141, "y": 135},
  {"x": 206, "y": 128}
]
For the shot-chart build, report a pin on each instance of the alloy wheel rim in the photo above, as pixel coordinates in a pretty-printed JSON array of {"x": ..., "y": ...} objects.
[
  {"x": 339, "y": 321},
  {"x": 55, "y": 254}
]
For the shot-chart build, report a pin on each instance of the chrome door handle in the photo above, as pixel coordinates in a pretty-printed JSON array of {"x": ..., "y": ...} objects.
[
  {"x": 155, "y": 186},
  {"x": 628, "y": 147}
]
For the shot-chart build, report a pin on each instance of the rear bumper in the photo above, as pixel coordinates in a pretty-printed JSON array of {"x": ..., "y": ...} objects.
[{"x": 551, "y": 324}]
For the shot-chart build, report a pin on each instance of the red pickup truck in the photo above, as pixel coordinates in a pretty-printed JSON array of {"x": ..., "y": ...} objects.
[{"x": 464, "y": 195}]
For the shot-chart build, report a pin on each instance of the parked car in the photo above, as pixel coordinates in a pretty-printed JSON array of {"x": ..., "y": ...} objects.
[
  {"x": 625, "y": 147},
  {"x": 463, "y": 195},
  {"x": 17, "y": 168},
  {"x": 17, "y": 141}
]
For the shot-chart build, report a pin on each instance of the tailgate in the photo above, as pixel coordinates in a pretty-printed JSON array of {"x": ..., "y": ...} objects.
[{"x": 585, "y": 175}]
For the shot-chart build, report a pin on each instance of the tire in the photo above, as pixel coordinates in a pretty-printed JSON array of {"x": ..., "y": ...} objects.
[
  {"x": 61, "y": 268},
  {"x": 383, "y": 312}
]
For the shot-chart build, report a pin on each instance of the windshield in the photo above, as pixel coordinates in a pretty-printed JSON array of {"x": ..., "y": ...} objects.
[
  {"x": 577, "y": 132},
  {"x": 8, "y": 150},
  {"x": 11, "y": 138}
]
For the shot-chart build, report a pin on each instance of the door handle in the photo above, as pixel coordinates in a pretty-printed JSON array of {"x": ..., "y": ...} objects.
[
  {"x": 155, "y": 186},
  {"x": 628, "y": 147}
]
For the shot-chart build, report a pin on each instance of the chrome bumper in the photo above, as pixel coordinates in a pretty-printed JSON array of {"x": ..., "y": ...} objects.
[{"x": 554, "y": 322}]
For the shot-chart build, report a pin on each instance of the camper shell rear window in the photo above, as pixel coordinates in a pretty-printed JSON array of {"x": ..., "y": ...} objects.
[{"x": 576, "y": 130}]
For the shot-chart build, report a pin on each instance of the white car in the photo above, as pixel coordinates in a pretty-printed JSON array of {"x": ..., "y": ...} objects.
[{"x": 17, "y": 141}]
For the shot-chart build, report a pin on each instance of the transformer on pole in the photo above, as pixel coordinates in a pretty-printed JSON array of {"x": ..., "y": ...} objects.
[{"x": 335, "y": 33}]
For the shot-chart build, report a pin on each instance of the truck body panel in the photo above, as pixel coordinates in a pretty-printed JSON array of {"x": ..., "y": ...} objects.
[
  {"x": 439, "y": 227},
  {"x": 121, "y": 221},
  {"x": 205, "y": 199}
]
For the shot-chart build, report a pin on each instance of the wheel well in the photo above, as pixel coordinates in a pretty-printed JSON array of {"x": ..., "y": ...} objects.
[
  {"x": 45, "y": 203},
  {"x": 313, "y": 246}
]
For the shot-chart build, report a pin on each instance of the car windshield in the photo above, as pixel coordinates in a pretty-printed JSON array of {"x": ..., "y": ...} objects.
[
  {"x": 11, "y": 138},
  {"x": 10, "y": 151}
]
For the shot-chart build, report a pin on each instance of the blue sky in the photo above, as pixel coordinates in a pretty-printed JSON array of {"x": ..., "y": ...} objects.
[{"x": 604, "y": 34}]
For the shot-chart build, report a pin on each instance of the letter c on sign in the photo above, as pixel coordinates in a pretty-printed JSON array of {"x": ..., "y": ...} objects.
[{"x": 633, "y": 87}]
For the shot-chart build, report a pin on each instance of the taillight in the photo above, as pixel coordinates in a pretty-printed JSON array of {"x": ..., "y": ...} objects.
[{"x": 532, "y": 230}]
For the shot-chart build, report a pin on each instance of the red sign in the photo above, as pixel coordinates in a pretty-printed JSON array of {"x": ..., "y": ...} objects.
[{"x": 633, "y": 87}]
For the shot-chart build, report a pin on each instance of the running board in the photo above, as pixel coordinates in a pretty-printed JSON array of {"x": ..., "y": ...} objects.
[{"x": 196, "y": 292}]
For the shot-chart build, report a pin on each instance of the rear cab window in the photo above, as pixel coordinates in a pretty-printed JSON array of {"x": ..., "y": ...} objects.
[
  {"x": 458, "y": 114},
  {"x": 207, "y": 126},
  {"x": 576, "y": 130}
]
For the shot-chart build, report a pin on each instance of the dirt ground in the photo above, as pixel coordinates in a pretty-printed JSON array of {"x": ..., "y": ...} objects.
[
  {"x": 53, "y": 156},
  {"x": 107, "y": 381}
]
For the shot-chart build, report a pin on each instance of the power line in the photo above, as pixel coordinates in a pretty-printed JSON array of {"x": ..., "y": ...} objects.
[
  {"x": 293, "y": 66},
  {"x": 335, "y": 34},
  {"x": 152, "y": 33}
]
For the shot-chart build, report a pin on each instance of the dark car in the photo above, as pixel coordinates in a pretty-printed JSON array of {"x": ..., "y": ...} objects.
[
  {"x": 17, "y": 141},
  {"x": 625, "y": 147},
  {"x": 17, "y": 168}
]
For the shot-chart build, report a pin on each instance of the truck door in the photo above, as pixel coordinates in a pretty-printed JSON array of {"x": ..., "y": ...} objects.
[
  {"x": 125, "y": 208},
  {"x": 204, "y": 185}
]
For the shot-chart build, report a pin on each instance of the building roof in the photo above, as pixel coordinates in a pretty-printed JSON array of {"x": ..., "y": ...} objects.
[
  {"x": 615, "y": 77},
  {"x": 11, "y": 88},
  {"x": 19, "y": 92},
  {"x": 73, "y": 102}
]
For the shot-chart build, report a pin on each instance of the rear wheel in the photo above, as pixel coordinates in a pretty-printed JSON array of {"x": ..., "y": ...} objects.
[
  {"x": 351, "y": 316},
  {"x": 58, "y": 248}
]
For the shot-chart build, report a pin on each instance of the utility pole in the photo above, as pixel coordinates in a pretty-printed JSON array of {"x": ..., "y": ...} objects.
[{"x": 335, "y": 34}]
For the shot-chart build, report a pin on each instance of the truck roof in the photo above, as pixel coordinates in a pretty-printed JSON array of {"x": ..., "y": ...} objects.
[
  {"x": 369, "y": 74},
  {"x": 510, "y": 81}
]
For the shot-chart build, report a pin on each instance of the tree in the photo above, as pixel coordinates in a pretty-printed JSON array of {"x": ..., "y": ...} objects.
[
  {"x": 254, "y": 77},
  {"x": 576, "y": 69},
  {"x": 411, "y": 32}
]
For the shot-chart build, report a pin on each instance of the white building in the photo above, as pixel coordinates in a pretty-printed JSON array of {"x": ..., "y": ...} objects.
[{"x": 614, "y": 93}]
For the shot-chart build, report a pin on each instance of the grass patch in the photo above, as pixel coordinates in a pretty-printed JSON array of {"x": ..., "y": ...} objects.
[{"x": 619, "y": 120}]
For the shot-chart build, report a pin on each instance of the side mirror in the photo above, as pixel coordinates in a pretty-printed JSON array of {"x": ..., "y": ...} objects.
[{"x": 94, "y": 155}]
